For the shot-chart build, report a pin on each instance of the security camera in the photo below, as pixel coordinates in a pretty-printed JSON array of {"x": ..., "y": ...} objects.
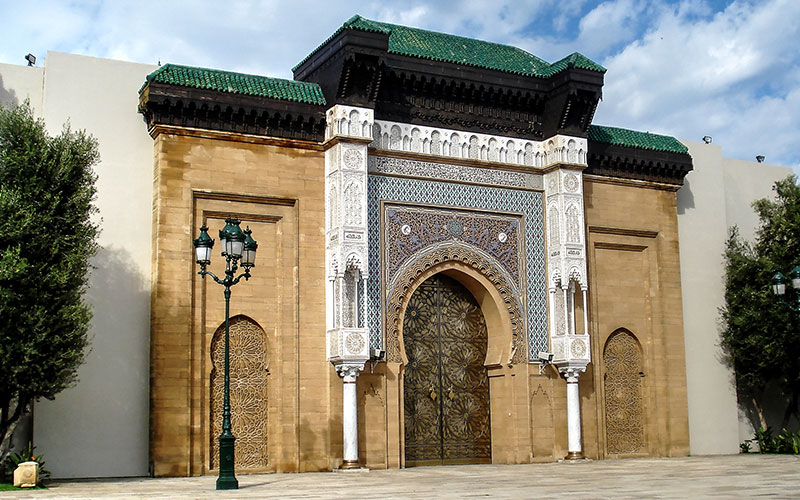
[
  {"x": 376, "y": 354},
  {"x": 545, "y": 357}
]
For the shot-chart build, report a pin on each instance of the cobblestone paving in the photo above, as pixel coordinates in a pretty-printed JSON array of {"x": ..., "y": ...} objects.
[{"x": 735, "y": 476}]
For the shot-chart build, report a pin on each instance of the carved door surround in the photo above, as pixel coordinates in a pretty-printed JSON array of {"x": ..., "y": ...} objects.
[
  {"x": 501, "y": 310},
  {"x": 446, "y": 386},
  {"x": 623, "y": 395}
]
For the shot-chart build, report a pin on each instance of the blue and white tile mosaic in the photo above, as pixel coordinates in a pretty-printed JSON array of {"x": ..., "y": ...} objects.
[{"x": 424, "y": 192}]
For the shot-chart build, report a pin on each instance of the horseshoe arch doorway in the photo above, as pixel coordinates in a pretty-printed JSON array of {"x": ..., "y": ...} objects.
[{"x": 445, "y": 383}]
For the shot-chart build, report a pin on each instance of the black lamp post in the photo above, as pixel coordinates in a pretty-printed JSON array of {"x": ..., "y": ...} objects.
[
  {"x": 238, "y": 247},
  {"x": 779, "y": 284}
]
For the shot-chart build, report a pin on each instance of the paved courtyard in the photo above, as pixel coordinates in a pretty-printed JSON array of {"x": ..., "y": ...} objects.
[{"x": 735, "y": 476}]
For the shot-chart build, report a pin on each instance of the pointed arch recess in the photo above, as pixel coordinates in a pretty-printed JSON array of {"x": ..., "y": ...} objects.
[
  {"x": 623, "y": 367},
  {"x": 249, "y": 394},
  {"x": 501, "y": 307}
]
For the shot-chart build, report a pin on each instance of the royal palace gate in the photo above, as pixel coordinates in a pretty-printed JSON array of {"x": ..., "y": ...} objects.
[{"x": 446, "y": 386}]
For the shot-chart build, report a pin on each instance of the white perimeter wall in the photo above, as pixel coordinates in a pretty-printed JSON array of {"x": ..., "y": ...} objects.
[
  {"x": 717, "y": 194},
  {"x": 100, "y": 427}
]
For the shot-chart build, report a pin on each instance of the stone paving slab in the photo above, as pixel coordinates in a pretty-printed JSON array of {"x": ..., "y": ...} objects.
[{"x": 720, "y": 477}]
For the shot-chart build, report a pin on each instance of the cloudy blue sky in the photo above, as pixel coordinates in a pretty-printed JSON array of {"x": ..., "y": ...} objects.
[{"x": 728, "y": 69}]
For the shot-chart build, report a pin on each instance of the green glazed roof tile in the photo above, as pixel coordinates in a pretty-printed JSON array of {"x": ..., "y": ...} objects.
[
  {"x": 238, "y": 83},
  {"x": 635, "y": 139},
  {"x": 574, "y": 60},
  {"x": 435, "y": 46}
]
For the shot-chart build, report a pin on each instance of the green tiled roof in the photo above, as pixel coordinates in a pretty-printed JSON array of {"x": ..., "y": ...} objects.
[
  {"x": 634, "y": 139},
  {"x": 574, "y": 60},
  {"x": 238, "y": 83},
  {"x": 435, "y": 46}
]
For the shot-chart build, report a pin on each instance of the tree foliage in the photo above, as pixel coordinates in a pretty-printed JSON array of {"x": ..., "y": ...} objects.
[
  {"x": 46, "y": 240},
  {"x": 761, "y": 333}
]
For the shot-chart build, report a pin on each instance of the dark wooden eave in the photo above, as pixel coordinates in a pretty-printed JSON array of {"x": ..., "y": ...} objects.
[
  {"x": 354, "y": 68},
  {"x": 164, "y": 104},
  {"x": 624, "y": 162}
]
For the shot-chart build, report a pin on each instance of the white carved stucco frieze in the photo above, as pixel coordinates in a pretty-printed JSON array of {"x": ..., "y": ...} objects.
[{"x": 450, "y": 143}]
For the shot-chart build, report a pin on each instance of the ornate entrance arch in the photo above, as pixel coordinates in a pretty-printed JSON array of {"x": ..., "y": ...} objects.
[
  {"x": 445, "y": 383},
  {"x": 500, "y": 306}
]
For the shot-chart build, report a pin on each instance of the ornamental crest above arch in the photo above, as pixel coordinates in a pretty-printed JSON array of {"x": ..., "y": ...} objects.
[
  {"x": 408, "y": 229},
  {"x": 432, "y": 256}
]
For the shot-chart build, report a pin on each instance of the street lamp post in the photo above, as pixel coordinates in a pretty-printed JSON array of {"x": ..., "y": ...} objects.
[
  {"x": 238, "y": 247},
  {"x": 779, "y": 285}
]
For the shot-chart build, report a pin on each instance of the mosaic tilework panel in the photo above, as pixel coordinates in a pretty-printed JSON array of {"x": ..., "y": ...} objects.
[{"x": 424, "y": 192}]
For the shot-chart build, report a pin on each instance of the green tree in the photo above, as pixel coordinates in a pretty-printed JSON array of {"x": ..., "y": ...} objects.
[
  {"x": 760, "y": 332},
  {"x": 46, "y": 240}
]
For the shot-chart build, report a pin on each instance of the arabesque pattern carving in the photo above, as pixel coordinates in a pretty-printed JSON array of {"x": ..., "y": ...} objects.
[
  {"x": 406, "y": 278},
  {"x": 248, "y": 375},
  {"x": 497, "y": 235},
  {"x": 622, "y": 360},
  {"x": 447, "y": 171}
]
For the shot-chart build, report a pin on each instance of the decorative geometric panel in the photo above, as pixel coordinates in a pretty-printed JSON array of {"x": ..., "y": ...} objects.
[
  {"x": 448, "y": 194},
  {"x": 248, "y": 396},
  {"x": 622, "y": 360},
  {"x": 409, "y": 229}
]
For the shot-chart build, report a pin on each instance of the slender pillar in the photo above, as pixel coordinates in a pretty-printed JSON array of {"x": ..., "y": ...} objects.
[
  {"x": 585, "y": 313},
  {"x": 571, "y": 309},
  {"x": 575, "y": 444},
  {"x": 552, "y": 313},
  {"x": 349, "y": 374}
]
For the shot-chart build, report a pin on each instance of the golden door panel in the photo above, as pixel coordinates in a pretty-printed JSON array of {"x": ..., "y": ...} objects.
[
  {"x": 446, "y": 386},
  {"x": 248, "y": 383},
  {"x": 624, "y": 408}
]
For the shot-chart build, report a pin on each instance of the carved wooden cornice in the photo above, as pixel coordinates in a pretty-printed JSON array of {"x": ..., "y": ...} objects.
[
  {"x": 608, "y": 160},
  {"x": 355, "y": 68},
  {"x": 185, "y": 107}
]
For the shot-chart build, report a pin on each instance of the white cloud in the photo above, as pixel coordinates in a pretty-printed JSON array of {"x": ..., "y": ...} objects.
[
  {"x": 675, "y": 67},
  {"x": 732, "y": 76}
]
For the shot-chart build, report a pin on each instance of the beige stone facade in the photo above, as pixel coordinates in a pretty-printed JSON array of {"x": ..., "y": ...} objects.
[
  {"x": 270, "y": 171},
  {"x": 635, "y": 285},
  {"x": 276, "y": 187}
]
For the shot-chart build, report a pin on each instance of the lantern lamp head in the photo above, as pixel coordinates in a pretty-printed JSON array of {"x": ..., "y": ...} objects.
[
  {"x": 202, "y": 246},
  {"x": 795, "y": 277},
  {"x": 778, "y": 283},
  {"x": 223, "y": 236},
  {"x": 235, "y": 241},
  {"x": 250, "y": 247}
]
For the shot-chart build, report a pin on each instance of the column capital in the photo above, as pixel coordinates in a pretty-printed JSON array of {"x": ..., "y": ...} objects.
[
  {"x": 571, "y": 373},
  {"x": 349, "y": 371}
]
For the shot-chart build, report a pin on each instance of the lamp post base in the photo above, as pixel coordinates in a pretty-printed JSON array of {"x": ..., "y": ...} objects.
[
  {"x": 227, "y": 479},
  {"x": 227, "y": 483}
]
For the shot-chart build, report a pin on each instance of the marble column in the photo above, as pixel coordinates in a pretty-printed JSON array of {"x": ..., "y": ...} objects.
[
  {"x": 349, "y": 374},
  {"x": 575, "y": 443}
]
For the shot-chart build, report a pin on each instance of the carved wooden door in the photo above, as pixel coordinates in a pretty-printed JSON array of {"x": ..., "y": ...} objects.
[
  {"x": 249, "y": 405},
  {"x": 622, "y": 360},
  {"x": 446, "y": 386}
]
